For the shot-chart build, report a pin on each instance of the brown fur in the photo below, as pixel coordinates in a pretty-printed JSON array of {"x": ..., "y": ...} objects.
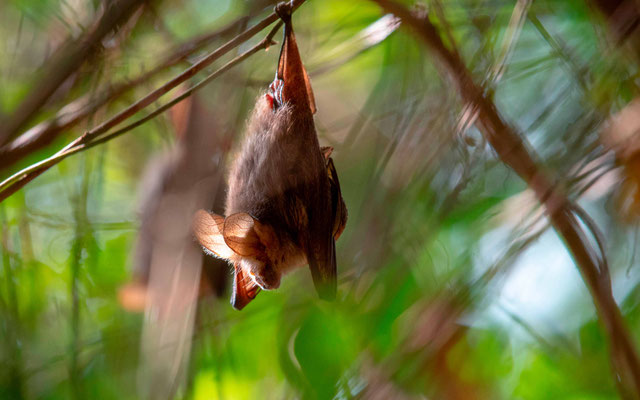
[
  {"x": 284, "y": 206},
  {"x": 273, "y": 180}
]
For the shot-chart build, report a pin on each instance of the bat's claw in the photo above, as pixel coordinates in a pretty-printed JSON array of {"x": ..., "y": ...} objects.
[
  {"x": 284, "y": 10},
  {"x": 275, "y": 89}
]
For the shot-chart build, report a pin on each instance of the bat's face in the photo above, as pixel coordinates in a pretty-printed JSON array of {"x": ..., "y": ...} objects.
[
  {"x": 262, "y": 272},
  {"x": 259, "y": 257}
]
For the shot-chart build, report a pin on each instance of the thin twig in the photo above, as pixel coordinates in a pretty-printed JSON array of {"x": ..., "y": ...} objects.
[
  {"x": 511, "y": 36},
  {"x": 468, "y": 116},
  {"x": 515, "y": 152},
  {"x": 10, "y": 306},
  {"x": 265, "y": 43},
  {"x": 21, "y": 178},
  {"x": 561, "y": 51},
  {"x": 189, "y": 73},
  {"x": 79, "y": 199},
  {"x": 72, "y": 54},
  {"x": 70, "y": 115}
]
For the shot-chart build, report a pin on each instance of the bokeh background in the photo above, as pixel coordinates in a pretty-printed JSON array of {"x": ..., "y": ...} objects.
[{"x": 452, "y": 285}]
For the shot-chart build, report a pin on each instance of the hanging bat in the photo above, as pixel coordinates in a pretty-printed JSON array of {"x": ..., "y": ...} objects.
[{"x": 284, "y": 208}]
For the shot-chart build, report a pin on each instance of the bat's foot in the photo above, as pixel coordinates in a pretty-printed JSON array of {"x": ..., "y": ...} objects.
[{"x": 284, "y": 10}]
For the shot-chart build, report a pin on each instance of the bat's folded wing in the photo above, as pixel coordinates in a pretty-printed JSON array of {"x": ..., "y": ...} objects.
[
  {"x": 337, "y": 203},
  {"x": 322, "y": 263}
]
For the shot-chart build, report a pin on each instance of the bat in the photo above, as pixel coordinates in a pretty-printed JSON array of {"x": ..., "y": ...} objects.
[{"x": 284, "y": 208}]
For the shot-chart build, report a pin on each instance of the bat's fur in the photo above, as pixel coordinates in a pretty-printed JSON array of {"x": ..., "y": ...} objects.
[
  {"x": 284, "y": 207},
  {"x": 276, "y": 179}
]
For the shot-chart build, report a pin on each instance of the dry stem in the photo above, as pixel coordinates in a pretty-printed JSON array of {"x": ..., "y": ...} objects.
[
  {"x": 515, "y": 152},
  {"x": 21, "y": 178}
]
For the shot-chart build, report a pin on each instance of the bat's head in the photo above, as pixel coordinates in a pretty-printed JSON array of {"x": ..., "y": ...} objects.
[{"x": 247, "y": 243}]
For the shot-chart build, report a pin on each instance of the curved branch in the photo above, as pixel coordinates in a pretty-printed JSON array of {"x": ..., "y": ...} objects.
[
  {"x": 21, "y": 178},
  {"x": 46, "y": 132},
  {"x": 65, "y": 62},
  {"x": 515, "y": 152}
]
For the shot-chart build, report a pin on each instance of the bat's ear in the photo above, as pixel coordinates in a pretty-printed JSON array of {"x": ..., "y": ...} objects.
[
  {"x": 208, "y": 228},
  {"x": 244, "y": 288},
  {"x": 241, "y": 235}
]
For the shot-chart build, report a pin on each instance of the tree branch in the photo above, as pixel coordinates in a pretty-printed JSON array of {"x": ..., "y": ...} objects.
[
  {"x": 93, "y": 137},
  {"x": 45, "y": 132},
  {"x": 515, "y": 152},
  {"x": 21, "y": 178},
  {"x": 64, "y": 63}
]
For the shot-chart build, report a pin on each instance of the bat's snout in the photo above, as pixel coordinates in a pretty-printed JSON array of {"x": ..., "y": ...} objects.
[{"x": 267, "y": 279}]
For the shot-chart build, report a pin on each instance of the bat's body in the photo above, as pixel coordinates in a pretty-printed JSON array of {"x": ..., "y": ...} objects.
[
  {"x": 284, "y": 208},
  {"x": 279, "y": 179}
]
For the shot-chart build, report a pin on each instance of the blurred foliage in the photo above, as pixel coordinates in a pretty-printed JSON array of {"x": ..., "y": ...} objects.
[{"x": 438, "y": 295}]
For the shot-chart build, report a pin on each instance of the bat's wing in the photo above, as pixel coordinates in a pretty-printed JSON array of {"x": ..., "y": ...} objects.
[
  {"x": 244, "y": 289},
  {"x": 208, "y": 228},
  {"x": 337, "y": 203},
  {"x": 322, "y": 263},
  {"x": 310, "y": 96},
  {"x": 321, "y": 254},
  {"x": 297, "y": 87},
  {"x": 322, "y": 257}
]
